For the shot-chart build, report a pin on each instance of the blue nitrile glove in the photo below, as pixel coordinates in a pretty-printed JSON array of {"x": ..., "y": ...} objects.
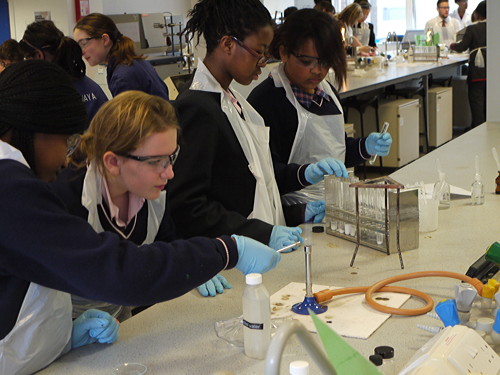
[
  {"x": 254, "y": 257},
  {"x": 315, "y": 172},
  {"x": 315, "y": 211},
  {"x": 283, "y": 236},
  {"x": 215, "y": 285},
  {"x": 94, "y": 326},
  {"x": 378, "y": 143}
]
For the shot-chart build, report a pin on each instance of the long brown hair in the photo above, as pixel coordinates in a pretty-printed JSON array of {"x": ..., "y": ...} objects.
[{"x": 123, "y": 49}]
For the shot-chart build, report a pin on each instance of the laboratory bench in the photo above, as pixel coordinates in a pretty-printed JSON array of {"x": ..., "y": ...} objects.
[{"x": 178, "y": 336}]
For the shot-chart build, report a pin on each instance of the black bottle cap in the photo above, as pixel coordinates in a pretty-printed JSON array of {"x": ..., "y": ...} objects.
[
  {"x": 318, "y": 229},
  {"x": 385, "y": 352},
  {"x": 376, "y": 359}
]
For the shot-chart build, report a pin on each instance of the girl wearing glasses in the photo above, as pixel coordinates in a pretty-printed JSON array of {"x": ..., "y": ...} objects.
[
  {"x": 48, "y": 253},
  {"x": 44, "y": 41},
  {"x": 301, "y": 108},
  {"x": 226, "y": 181},
  {"x": 102, "y": 43}
]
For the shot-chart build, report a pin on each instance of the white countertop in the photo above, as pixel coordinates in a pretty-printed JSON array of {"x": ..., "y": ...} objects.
[{"x": 178, "y": 337}]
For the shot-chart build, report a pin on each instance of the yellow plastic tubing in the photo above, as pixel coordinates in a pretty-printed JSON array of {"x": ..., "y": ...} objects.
[{"x": 382, "y": 286}]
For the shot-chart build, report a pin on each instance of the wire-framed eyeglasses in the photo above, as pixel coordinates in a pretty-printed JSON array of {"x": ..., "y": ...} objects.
[
  {"x": 311, "y": 61},
  {"x": 158, "y": 162},
  {"x": 262, "y": 57}
]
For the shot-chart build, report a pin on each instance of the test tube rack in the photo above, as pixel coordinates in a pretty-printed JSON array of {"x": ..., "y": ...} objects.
[
  {"x": 426, "y": 53},
  {"x": 379, "y": 228}
]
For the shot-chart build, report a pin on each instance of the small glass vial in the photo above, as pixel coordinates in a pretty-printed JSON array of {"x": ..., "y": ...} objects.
[
  {"x": 442, "y": 192},
  {"x": 299, "y": 368},
  {"x": 256, "y": 317},
  {"x": 477, "y": 191},
  {"x": 387, "y": 354}
]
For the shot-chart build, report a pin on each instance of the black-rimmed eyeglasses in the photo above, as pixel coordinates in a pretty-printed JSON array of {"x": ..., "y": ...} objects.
[
  {"x": 84, "y": 41},
  {"x": 311, "y": 61},
  {"x": 158, "y": 162},
  {"x": 262, "y": 57}
]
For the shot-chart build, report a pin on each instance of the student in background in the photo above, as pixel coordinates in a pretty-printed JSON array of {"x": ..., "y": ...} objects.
[
  {"x": 10, "y": 53},
  {"x": 474, "y": 40},
  {"x": 443, "y": 24},
  {"x": 102, "y": 43},
  {"x": 348, "y": 18},
  {"x": 48, "y": 253},
  {"x": 364, "y": 30},
  {"x": 44, "y": 41},
  {"x": 301, "y": 108},
  {"x": 461, "y": 15},
  {"x": 325, "y": 6}
]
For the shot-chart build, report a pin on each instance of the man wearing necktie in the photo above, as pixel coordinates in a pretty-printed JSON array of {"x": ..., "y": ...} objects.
[{"x": 443, "y": 24}]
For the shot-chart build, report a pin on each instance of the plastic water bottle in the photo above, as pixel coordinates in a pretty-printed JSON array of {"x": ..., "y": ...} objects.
[{"x": 256, "y": 317}]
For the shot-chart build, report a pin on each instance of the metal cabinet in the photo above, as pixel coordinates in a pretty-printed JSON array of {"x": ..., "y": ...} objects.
[{"x": 440, "y": 115}]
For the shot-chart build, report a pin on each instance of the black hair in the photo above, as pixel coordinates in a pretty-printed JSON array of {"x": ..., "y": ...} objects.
[
  {"x": 322, "y": 29},
  {"x": 10, "y": 50},
  {"x": 45, "y": 36},
  {"x": 364, "y": 4},
  {"x": 38, "y": 97},
  {"x": 324, "y": 6},
  {"x": 289, "y": 11},
  {"x": 216, "y": 18},
  {"x": 481, "y": 9},
  {"x": 441, "y": 1}
]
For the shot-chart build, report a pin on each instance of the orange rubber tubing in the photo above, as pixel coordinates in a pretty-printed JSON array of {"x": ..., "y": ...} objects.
[{"x": 382, "y": 286}]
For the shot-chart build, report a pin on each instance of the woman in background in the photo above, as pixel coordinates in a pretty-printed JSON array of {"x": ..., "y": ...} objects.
[
  {"x": 102, "y": 43},
  {"x": 44, "y": 41}
]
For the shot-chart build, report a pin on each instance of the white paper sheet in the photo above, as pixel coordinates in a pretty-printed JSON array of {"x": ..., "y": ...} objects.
[{"x": 348, "y": 315}]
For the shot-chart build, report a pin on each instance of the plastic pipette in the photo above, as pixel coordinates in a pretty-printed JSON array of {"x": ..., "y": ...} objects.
[
  {"x": 288, "y": 247},
  {"x": 495, "y": 156},
  {"x": 384, "y": 130}
]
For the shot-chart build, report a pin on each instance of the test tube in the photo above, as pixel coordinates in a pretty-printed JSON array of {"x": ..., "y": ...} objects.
[{"x": 384, "y": 130}]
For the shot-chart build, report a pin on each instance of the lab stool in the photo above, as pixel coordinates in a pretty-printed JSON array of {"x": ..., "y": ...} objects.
[
  {"x": 361, "y": 105},
  {"x": 408, "y": 93}
]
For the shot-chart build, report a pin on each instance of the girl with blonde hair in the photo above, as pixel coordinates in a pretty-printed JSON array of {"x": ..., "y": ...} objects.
[{"x": 118, "y": 174}]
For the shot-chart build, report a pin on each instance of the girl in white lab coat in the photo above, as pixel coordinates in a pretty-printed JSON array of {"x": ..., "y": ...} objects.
[
  {"x": 226, "y": 181},
  {"x": 302, "y": 108}
]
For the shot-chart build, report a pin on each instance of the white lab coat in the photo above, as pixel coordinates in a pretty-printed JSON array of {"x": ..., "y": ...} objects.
[
  {"x": 43, "y": 328},
  {"x": 362, "y": 33},
  {"x": 463, "y": 22},
  {"x": 447, "y": 34},
  {"x": 253, "y": 136},
  {"x": 317, "y": 137},
  {"x": 91, "y": 198}
]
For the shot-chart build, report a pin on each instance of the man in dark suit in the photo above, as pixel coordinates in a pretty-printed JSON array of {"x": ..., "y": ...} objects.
[{"x": 475, "y": 41}]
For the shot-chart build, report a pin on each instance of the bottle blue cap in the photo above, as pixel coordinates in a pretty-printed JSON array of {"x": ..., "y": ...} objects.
[{"x": 448, "y": 313}]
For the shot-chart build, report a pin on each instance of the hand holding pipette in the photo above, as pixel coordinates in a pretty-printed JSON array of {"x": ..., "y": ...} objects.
[{"x": 379, "y": 143}]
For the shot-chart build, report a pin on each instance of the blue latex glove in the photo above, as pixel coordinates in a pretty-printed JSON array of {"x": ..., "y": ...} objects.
[
  {"x": 378, "y": 143},
  {"x": 254, "y": 257},
  {"x": 315, "y": 211},
  {"x": 316, "y": 172},
  {"x": 94, "y": 326},
  {"x": 215, "y": 285},
  {"x": 283, "y": 236}
]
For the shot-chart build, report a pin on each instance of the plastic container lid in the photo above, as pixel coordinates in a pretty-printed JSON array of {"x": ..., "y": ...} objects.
[
  {"x": 485, "y": 324},
  {"x": 253, "y": 279},
  {"x": 376, "y": 359},
  {"x": 318, "y": 229},
  {"x": 299, "y": 368},
  {"x": 385, "y": 352}
]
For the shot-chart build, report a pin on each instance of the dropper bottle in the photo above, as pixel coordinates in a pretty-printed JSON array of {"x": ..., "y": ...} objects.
[
  {"x": 477, "y": 189},
  {"x": 442, "y": 189}
]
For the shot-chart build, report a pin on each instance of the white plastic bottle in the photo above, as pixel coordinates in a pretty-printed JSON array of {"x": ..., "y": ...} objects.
[
  {"x": 256, "y": 317},
  {"x": 299, "y": 368}
]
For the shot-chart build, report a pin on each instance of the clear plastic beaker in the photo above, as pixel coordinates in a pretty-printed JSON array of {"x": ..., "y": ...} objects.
[{"x": 428, "y": 215}]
